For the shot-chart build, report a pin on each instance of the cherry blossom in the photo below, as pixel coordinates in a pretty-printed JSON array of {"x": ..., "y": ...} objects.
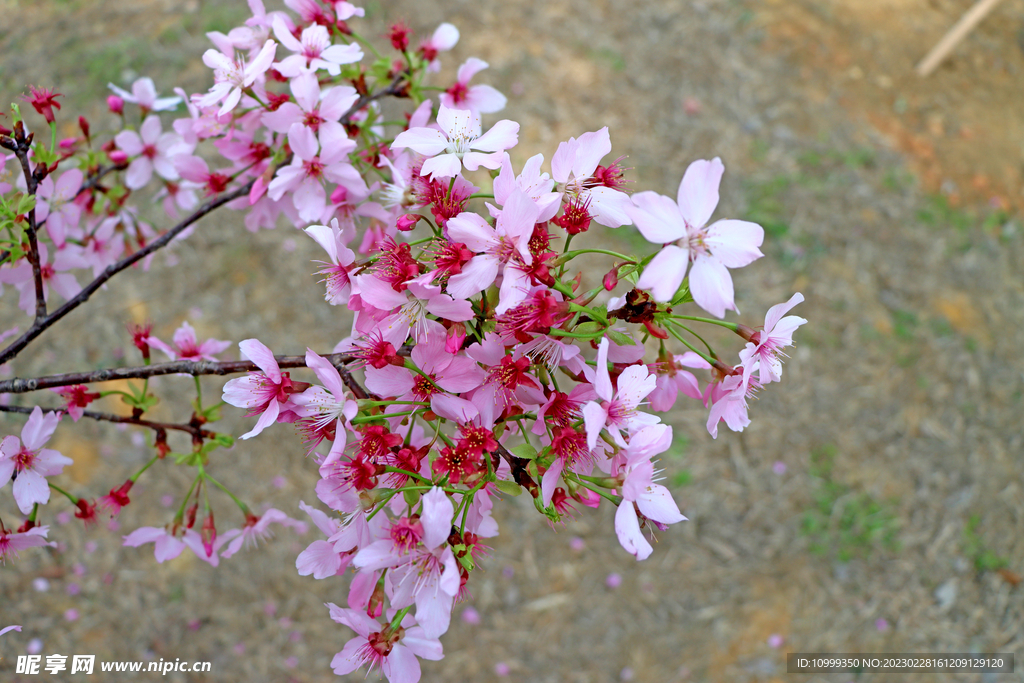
[
  {"x": 479, "y": 99},
  {"x": 574, "y": 166},
  {"x": 266, "y": 393},
  {"x": 232, "y": 75},
  {"x": 30, "y": 463},
  {"x": 144, "y": 94},
  {"x": 153, "y": 151},
  {"x": 395, "y": 652},
  {"x": 57, "y": 207},
  {"x": 12, "y": 543},
  {"x": 313, "y": 51},
  {"x": 776, "y": 335},
  {"x": 680, "y": 225},
  {"x": 459, "y": 144},
  {"x": 619, "y": 411},
  {"x": 186, "y": 346}
]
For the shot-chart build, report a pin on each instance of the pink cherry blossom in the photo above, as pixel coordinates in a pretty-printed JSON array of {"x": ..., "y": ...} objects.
[
  {"x": 375, "y": 645},
  {"x": 312, "y": 165},
  {"x": 22, "y": 277},
  {"x": 29, "y": 462},
  {"x": 312, "y": 108},
  {"x": 672, "y": 379},
  {"x": 501, "y": 246},
  {"x": 144, "y": 94},
  {"x": 186, "y": 346},
  {"x": 682, "y": 227},
  {"x": 459, "y": 144},
  {"x": 618, "y": 412},
  {"x": 266, "y": 393},
  {"x": 479, "y": 99},
  {"x": 12, "y": 543},
  {"x": 55, "y": 204},
  {"x": 336, "y": 276},
  {"x": 232, "y": 75},
  {"x": 425, "y": 573},
  {"x": 639, "y": 492},
  {"x": 104, "y": 245},
  {"x": 320, "y": 558},
  {"x": 153, "y": 151},
  {"x": 776, "y": 335},
  {"x": 257, "y": 528},
  {"x": 574, "y": 166},
  {"x": 443, "y": 39},
  {"x": 728, "y": 398},
  {"x": 324, "y": 410},
  {"x": 313, "y": 51}
]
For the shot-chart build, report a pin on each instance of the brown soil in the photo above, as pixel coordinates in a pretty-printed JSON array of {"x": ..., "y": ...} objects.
[{"x": 908, "y": 378}]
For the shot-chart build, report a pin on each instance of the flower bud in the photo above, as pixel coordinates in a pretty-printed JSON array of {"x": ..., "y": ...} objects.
[
  {"x": 116, "y": 105},
  {"x": 83, "y": 123},
  {"x": 399, "y": 36},
  {"x": 67, "y": 143},
  {"x": 455, "y": 338},
  {"x": 611, "y": 279},
  {"x": 209, "y": 534},
  {"x": 408, "y": 221},
  {"x": 118, "y": 157}
]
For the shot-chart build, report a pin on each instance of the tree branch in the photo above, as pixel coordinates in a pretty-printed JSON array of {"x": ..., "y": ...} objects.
[
  {"x": 20, "y": 144},
  {"x": 195, "y": 431}
]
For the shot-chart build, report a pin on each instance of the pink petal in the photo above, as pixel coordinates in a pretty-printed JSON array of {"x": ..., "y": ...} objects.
[
  {"x": 698, "y": 191},
  {"x": 503, "y": 135},
  {"x": 389, "y": 380},
  {"x": 656, "y": 503},
  {"x": 657, "y": 217},
  {"x": 443, "y": 166},
  {"x": 627, "y": 528},
  {"x": 436, "y": 518},
  {"x": 426, "y": 141},
  {"x": 594, "y": 419},
  {"x": 665, "y": 273},
  {"x": 472, "y": 230},
  {"x": 592, "y": 148},
  {"x": 776, "y": 312},
  {"x": 735, "y": 243},
  {"x": 711, "y": 285},
  {"x": 263, "y": 357}
]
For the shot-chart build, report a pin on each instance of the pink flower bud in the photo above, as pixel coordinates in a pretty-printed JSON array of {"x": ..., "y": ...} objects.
[
  {"x": 116, "y": 105},
  {"x": 67, "y": 143},
  {"x": 408, "y": 221},
  {"x": 118, "y": 157},
  {"x": 455, "y": 338},
  {"x": 611, "y": 279}
]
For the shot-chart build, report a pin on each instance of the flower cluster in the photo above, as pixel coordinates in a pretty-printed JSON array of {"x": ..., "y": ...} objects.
[{"x": 480, "y": 364}]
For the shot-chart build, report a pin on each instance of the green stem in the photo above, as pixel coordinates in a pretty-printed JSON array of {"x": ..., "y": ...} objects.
[
  {"x": 413, "y": 475},
  {"x": 370, "y": 418},
  {"x": 672, "y": 331},
  {"x": 367, "y": 44},
  {"x": 721, "y": 323},
  {"x": 576, "y": 252},
  {"x": 135, "y": 477},
  {"x": 244, "y": 508}
]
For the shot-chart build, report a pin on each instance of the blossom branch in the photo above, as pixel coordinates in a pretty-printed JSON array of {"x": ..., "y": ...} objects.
[
  {"x": 20, "y": 144},
  {"x": 195, "y": 430},
  {"x": 179, "y": 367}
]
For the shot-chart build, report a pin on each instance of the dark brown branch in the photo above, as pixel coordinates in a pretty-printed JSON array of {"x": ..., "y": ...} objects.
[
  {"x": 20, "y": 144},
  {"x": 196, "y": 432},
  {"x": 179, "y": 367},
  {"x": 41, "y": 324}
]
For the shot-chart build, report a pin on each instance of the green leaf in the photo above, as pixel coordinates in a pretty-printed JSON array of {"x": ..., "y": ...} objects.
[
  {"x": 509, "y": 487},
  {"x": 524, "y": 450},
  {"x": 466, "y": 561},
  {"x": 620, "y": 338},
  {"x": 26, "y": 203},
  {"x": 223, "y": 440},
  {"x": 411, "y": 497},
  {"x": 591, "y": 327}
]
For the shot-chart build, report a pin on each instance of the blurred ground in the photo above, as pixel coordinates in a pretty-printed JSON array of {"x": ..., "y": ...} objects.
[{"x": 869, "y": 507}]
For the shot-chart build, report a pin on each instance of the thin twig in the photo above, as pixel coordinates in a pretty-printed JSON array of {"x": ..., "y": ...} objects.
[
  {"x": 196, "y": 432},
  {"x": 178, "y": 367},
  {"x": 20, "y": 144}
]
